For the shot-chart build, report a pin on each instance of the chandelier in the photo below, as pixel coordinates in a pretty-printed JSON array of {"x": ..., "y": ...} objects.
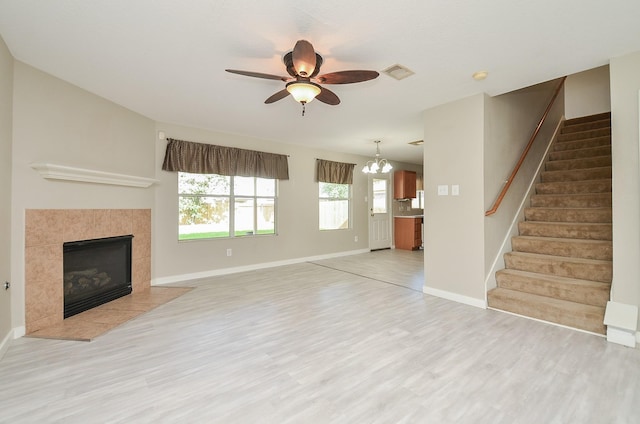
[{"x": 377, "y": 165}]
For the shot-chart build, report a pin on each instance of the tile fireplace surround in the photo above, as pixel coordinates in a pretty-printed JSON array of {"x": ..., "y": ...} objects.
[{"x": 45, "y": 232}]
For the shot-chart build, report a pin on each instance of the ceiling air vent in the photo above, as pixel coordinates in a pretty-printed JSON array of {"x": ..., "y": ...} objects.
[{"x": 398, "y": 72}]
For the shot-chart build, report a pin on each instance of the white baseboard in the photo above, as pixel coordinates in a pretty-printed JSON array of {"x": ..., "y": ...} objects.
[
  {"x": 471, "y": 301},
  {"x": 4, "y": 344},
  {"x": 253, "y": 267}
]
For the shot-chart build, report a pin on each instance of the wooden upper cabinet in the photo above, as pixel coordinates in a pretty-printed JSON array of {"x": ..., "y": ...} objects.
[{"x": 404, "y": 185}]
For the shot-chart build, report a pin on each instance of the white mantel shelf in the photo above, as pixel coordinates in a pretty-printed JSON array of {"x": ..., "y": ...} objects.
[{"x": 69, "y": 173}]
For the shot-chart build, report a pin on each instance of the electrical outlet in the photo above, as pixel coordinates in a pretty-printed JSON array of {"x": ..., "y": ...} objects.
[
  {"x": 455, "y": 190},
  {"x": 443, "y": 190},
  {"x": 355, "y": 238},
  {"x": 229, "y": 252}
]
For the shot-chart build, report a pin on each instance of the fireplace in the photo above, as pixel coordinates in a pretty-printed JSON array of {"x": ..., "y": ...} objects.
[{"x": 96, "y": 271}]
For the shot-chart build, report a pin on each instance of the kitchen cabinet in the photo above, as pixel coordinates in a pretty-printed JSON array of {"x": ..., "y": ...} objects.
[
  {"x": 408, "y": 232},
  {"x": 404, "y": 185}
]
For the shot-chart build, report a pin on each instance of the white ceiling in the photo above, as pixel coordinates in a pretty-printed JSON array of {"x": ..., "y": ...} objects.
[{"x": 166, "y": 58}]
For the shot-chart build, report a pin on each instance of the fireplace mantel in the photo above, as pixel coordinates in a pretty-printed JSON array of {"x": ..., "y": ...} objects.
[{"x": 70, "y": 173}]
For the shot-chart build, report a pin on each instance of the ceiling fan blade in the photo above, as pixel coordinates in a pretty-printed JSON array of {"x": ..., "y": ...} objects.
[
  {"x": 328, "y": 97},
  {"x": 347, "y": 77},
  {"x": 304, "y": 58},
  {"x": 277, "y": 96},
  {"x": 257, "y": 75}
]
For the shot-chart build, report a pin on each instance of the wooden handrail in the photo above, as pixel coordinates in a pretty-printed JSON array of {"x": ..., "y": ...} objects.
[{"x": 496, "y": 204}]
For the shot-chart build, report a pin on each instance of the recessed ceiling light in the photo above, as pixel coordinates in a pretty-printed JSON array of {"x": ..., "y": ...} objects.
[
  {"x": 398, "y": 72},
  {"x": 480, "y": 75}
]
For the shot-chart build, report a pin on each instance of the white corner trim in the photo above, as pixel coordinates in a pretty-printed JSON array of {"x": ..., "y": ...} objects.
[
  {"x": 225, "y": 271},
  {"x": 69, "y": 173},
  {"x": 19, "y": 332},
  {"x": 622, "y": 322},
  {"x": 471, "y": 301}
]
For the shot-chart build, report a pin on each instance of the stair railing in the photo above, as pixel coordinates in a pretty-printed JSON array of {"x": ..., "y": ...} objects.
[{"x": 509, "y": 180}]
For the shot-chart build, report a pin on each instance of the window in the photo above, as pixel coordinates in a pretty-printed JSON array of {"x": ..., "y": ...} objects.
[
  {"x": 214, "y": 206},
  {"x": 335, "y": 203},
  {"x": 380, "y": 195},
  {"x": 418, "y": 202}
]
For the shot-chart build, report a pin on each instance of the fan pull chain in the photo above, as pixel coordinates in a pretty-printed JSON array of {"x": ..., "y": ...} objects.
[{"x": 303, "y": 108}]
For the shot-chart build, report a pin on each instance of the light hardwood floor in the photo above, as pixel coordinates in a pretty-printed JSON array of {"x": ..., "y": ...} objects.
[{"x": 318, "y": 343}]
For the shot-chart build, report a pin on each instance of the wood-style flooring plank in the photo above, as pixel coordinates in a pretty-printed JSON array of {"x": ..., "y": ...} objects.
[{"x": 321, "y": 343}]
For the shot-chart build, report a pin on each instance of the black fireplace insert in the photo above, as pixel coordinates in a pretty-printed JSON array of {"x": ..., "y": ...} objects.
[{"x": 95, "y": 272}]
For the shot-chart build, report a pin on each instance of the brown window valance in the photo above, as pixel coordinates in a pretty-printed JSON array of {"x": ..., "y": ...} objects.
[
  {"x": 334, "y": 172},
  {"x": 201, "y": 158}
]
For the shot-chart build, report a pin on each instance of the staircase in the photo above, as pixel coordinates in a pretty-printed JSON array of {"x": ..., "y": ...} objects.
[{"x": 561, "y": 264}]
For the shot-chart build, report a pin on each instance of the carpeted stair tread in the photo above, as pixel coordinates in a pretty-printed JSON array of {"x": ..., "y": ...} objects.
[
  {"x": 584, "y": 215},
  {"x": 574, "y": 187},
  {"x": 579, "y": 135},
  {"x": 603, "y": 172},
  {"x": 573, "y": 230},
  {"x": 587, "y": 200},
  {"x": 582, "y": 143},
  {"x": 582, "y": 163},
  {"x": 583, "y": 269},
  {"x": 587, "y": 152},
  {"x": 585, "y": 126},
  {"x": 572, "y": 289},
  {"x": 588, "y": 118},
  {"x": 569, "y": 247},
  {"x": 571, "y": 314}
]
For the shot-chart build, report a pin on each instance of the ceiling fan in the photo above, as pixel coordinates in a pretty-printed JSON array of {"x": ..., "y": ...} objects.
[{"x": 303, "y": 65}]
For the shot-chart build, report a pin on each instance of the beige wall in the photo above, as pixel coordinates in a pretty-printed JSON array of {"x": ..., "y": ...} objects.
[
  {"x": 297, "y": 217},
  {"x": 59, "y": 123},
  {"x": 512, "y": 119},
  {"x": 6, "y": 95},
  {"x": 625, "y": 83},
  {"x": 453, "y": 225},
  {"x": 587, "y": 93}
]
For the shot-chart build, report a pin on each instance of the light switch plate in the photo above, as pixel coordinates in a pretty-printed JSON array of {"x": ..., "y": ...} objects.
[
  {"x": 443, "y": 190},
  {"x": 455, "y": 190}
]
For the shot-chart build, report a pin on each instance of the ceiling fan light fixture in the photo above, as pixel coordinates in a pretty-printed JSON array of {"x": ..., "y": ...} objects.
[{"x": 303, "y": 92}]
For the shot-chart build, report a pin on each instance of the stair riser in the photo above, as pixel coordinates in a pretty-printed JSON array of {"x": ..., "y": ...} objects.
[
  {"x": 585, "y": 163},
  {"x": 576, "y": 175},
  {"x": 586, "y": 126},
  {"x": 576, "y": 249},
  {"x": 572, "y": 231},
  {"x": 561, "y": 268},
  {"x": 598, "y": 200},
  {"x": 596, "y": 294},
  {"x": 577, "y": 187},
  {"x": 590, "y": 152},
  {"x": 602, "y": 132},
  {"x": 589, "y": 322},
  {"x": 568, "y": 215},
  {"x": 582, "y": 144}
]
